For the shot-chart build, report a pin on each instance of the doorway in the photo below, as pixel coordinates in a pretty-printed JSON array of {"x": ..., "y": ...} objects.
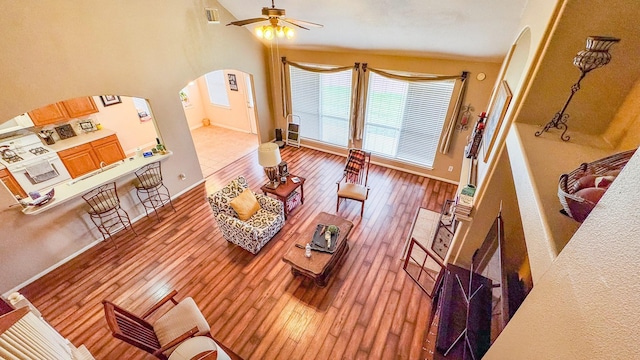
[{"x": 219, "y": 107}]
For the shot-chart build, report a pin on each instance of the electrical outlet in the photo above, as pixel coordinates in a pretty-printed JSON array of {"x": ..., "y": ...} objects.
[{"x": 450, "y": 168}]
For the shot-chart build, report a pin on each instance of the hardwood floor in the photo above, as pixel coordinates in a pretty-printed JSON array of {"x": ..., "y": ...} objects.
[{"x": 370, "y": 308}]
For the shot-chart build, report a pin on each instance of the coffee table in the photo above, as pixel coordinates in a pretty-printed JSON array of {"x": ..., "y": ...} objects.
[
  {"x": 320, "y": 265},
  {"x": 283, "y": 191}
]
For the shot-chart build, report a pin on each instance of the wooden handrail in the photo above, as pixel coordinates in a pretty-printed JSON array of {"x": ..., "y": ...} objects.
[
  {"x": 169, "y": 296},
  {"x": 9, "y": 319}
]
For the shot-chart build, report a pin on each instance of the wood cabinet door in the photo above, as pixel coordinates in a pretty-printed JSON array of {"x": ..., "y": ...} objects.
[
  {"x": 79, "y": 160},
  {"x": 12, "y": 184},
  {"x": 108, "y": 149},
  {"x": 80, "y": 106},
  {"x": 49, "y": 114}
]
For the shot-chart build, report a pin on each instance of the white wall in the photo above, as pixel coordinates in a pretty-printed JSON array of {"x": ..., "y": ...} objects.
[
  {"x": 123, "y": 119},
  {"x": 234, "y": 116},
  {"x": 194, "y": 112},
  {"x": 59, "y": 50},
  {"x": 586, "y": 305}
]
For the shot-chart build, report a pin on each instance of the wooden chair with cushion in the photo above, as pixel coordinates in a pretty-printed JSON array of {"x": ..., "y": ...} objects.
[
  {"x": 160, "y": 337},
  {"x": 353, "y": 184}
]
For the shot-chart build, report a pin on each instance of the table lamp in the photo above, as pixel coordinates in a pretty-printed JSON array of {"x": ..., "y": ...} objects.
[{"x": 269, "y": 158}]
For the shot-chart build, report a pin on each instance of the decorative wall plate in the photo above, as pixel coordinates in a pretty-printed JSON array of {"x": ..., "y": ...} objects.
[{"x": 65, "y": 131}]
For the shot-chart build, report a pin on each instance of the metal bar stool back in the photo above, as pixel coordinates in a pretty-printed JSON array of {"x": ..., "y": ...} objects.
[
  {"x": 151, "y": 191},
  {"x": 105, "y": 211}
]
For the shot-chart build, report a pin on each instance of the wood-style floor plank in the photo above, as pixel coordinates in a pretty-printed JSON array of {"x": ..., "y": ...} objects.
[{"x": 370, "y": 308}]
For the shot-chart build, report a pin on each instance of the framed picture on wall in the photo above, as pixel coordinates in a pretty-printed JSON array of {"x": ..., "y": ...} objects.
[
  {"x": 108, "y": 100},
  {"x": 233, "y": 83},
  {"x": 497, "y": 110}
]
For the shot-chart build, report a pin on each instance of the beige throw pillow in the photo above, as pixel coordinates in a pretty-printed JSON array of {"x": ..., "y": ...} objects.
[{"x": 245, "y": 205}]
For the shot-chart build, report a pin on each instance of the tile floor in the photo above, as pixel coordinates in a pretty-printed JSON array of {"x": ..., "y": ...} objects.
[{"x": 218, "y": 147}]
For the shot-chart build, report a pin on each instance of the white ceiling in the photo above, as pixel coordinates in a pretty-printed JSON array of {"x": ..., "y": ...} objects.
[{"x": 478, "y": 29}]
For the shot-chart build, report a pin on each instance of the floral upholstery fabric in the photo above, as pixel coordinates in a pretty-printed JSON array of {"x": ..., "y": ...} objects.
[{"x": 254, "y": 233}]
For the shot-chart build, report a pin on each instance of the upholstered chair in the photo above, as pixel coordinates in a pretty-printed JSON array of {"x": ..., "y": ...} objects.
[{"x": 250, "y": 230}]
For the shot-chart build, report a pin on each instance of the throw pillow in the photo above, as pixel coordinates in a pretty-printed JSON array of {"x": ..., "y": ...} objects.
[{"x": 245, "y": 205}]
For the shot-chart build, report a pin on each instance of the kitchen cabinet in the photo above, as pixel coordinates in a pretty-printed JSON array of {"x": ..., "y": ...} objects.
[
  {"x": 63, "y": 110},
  {"x": 87, "y": 157},
  {"x": 11, "y": 183},
  {"x": 80, "y": 160},
  {"x": 108, "y": 149},
  {"x": 49, "y": 114},
  {"x": 80, "y": 107}
]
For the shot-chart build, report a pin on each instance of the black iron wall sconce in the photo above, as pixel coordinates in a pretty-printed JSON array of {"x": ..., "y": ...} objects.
[{"x": 594, "y": 56}]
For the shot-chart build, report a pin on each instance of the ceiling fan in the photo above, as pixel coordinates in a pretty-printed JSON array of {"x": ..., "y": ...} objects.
[{"x": 275, "y": 16}]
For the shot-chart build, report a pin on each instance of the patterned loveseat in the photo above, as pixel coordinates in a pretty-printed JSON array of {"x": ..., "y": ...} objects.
[{"x": 254, "y": 233}]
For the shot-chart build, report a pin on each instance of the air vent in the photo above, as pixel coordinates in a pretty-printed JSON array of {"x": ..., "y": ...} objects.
[{"x": 212, "y": 16}]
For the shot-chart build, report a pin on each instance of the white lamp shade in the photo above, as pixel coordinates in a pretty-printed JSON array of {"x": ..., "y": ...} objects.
[{"x": 269, "y": 155}]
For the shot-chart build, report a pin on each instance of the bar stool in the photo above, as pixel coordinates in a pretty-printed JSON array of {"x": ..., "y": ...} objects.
[
  {"x": 105, "y": 211},
  {"x": 150, "y": 189}
]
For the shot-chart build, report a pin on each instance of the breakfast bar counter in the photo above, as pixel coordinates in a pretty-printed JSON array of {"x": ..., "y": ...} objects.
[{"x": 77, "y": 187}]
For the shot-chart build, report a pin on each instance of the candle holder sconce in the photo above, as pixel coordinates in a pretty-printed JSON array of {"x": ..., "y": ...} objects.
[
  {"x": 594, "y": 56},
  {"x": 466, "y": 111}
]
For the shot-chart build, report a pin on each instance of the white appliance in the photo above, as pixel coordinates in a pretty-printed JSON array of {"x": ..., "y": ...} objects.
[
  {"x": 34, "y": 166},
  {"x": 17, "y": 123}
]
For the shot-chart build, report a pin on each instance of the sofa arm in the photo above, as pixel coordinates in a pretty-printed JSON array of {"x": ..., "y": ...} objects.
[{"x": 270, "y": 204}]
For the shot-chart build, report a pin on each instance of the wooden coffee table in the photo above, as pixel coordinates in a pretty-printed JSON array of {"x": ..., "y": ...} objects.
[
  {"x": 320, "y": 265},
  {"x": 283, "y": 191}
]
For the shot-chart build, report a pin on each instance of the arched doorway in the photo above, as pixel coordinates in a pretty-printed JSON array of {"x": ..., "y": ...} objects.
[{"x": 219, "y": 107}]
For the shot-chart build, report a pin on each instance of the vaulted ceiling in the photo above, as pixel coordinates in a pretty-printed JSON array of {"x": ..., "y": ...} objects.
[{"x": 451, "y": 29}]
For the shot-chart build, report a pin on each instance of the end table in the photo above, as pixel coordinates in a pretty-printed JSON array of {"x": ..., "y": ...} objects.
[{"x": 283, "y": 191}]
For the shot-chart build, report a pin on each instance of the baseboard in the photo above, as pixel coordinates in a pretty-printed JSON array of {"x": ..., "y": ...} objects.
[
  {"x": 329, "y": 149},
  {"x": 231, "y": 128},
  {"x": 86, "y": 247},
  {"x": 188, "y": 188},
  {"x": 52, "y": 267}
]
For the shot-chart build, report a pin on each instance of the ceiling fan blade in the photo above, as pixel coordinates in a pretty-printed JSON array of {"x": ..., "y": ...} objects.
[
  {"x": 301, "y": 23},
  {"x": 288, "y": 21},
  {"x": 246, "y": 21}
]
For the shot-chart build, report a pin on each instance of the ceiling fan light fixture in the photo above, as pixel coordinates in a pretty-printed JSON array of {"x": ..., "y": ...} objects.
[
  {"x": 274, "y": 16},
  {"x": 268, "y": 32},
  {"x": 289, "y": 33},
  {"x": 259, "y": 32}
]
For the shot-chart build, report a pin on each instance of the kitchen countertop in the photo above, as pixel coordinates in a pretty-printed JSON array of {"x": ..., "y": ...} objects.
[
  {"x": 79, "y": 186},
  {"x": 80, "y": 139}
]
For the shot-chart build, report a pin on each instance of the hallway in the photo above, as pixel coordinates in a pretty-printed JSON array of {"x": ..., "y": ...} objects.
[{"x": 218, "y": 147}]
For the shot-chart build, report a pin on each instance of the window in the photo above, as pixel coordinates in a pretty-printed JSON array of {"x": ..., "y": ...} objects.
[
  {"x": 217, "y": 88},
  {"x": 404, "y": 119},
  {"x": 323, "y": 102},
  {"x": 142, "y": 107}
]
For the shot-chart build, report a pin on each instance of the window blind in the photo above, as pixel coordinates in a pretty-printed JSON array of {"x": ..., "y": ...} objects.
[
  {"x": 322, "y": 100},
  {"x": 404, "y": 119},
  {"x": 217, "y": 88}
]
